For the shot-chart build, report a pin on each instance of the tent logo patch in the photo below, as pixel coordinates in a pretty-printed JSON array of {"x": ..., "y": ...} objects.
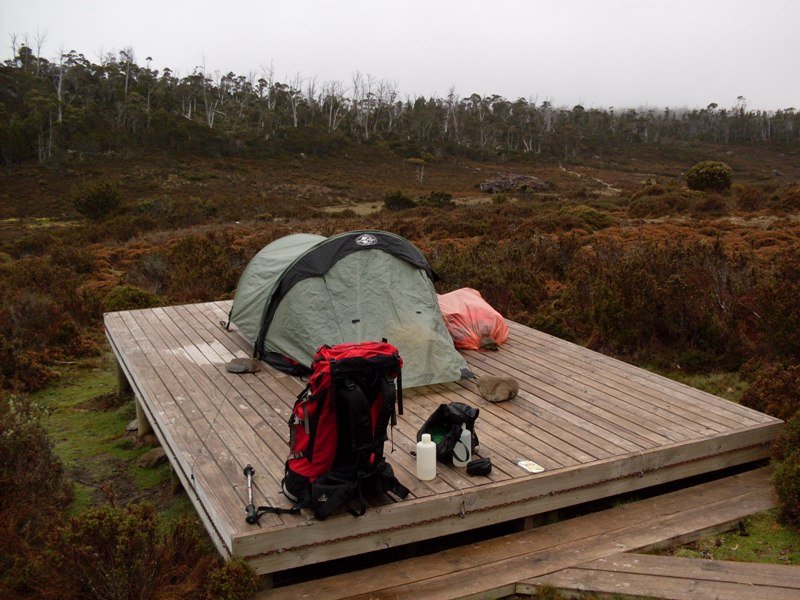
[{"x": 366, "y": 239}]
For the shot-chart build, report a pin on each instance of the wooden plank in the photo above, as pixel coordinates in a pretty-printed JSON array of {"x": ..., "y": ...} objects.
[
  {"x": 538, "y": 390},
  {"x": 493, "y": 503},
  {"x": 581, "y": 374},
  {"x": 227, "y": 433},
  {"x": 447, "y": 480},
  {"x": 569, "y": 448},
  {"x": 278, "y": 553},
  {"x": 217, "y": 526},
  {"x": 693, "y": 522},
  {"x": 630, "y": 417},
  {"x": 205, "y": 456},
  {"x": 208, "y": 379},
  {"x": 212, "y": 421},
  {"x": 580, "y": 580},
  {"x": 644, "y": 380},
  {"x": 266, "y": 400},
  {"x": 558, "y": 417},
  {"x": 747, "y": 573},
  {"x": 406, "y": 441},
  {"x": 492, "y": 564}
]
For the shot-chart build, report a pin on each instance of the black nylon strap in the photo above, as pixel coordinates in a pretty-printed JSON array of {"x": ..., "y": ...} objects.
[{"x": 262, "y": 510}]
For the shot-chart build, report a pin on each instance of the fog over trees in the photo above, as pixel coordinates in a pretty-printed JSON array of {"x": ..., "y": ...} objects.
[{"x": 70, "y": 104}]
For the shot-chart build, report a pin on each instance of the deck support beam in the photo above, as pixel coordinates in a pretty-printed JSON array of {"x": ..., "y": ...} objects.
[
  {"x": 534, "y": 521},
  {"x": 123, "y": 385},
  {"x": 143, "y": 425}
]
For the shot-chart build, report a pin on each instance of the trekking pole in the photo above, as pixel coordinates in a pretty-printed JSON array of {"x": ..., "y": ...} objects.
[{"x": 252, "y": 516}]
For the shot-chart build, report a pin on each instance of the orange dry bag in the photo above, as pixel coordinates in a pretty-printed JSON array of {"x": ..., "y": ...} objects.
[{"x": 472, "y": 322}]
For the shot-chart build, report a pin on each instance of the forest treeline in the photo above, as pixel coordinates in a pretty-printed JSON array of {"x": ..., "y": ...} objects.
[{"x": 52, "y": 108}]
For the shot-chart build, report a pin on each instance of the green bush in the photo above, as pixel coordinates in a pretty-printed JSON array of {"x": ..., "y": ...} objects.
[
  {"x": 776, "y": 391},
  {"x": 786, "y": 474},
  {"x": 786, "y": 478},
  {"x": 200, "y": 268},
  {"x": 33, "y": 491},
  {"x": 128, "y": 297},
  {"x": 712, "y": 204},
  {"x": 777, "y": 301},
  {"x": 396, "y": 201},
  {"x": 651, "y": 189},
  {"x": 234, "y": 580},
  {"x": 500, "y": 198},
  {"x": 709, "y": 175},
  {"x": 673, "y": 298},
  {"x": 96, "y": 201},
  {"x": 439, "y": 200},
  {"x": 659, "y": 205},
  {"x": 593, "y": 219},
  {"x": 750, "y": 198},
  {"x": 788, "y": 442},
  {"x": 109, "y": 552}
]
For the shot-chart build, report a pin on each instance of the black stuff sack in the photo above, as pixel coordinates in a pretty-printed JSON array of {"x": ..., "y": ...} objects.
[{"x": 445, "y": 425}]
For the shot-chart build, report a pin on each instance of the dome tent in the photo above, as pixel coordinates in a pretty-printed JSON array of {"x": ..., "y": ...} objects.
[{"x": 303, "y": 291}]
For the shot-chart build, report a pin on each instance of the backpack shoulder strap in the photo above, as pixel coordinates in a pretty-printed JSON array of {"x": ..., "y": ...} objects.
[{"x": 356, "y": 409}]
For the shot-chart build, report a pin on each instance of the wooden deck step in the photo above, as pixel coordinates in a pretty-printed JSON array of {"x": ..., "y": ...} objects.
[
  {"x": 674, "y": 578},
  {"x": 494, "y": 567}
]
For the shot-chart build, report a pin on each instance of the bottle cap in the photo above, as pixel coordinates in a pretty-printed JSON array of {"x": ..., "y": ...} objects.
[{"x": 426, "y": 437}]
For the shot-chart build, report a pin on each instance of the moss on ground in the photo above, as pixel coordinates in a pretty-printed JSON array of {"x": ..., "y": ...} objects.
[
  {"x": 86, "y": 421},
  {"x": 726, "y": 384},
  {"x": 761, "y": 539}
]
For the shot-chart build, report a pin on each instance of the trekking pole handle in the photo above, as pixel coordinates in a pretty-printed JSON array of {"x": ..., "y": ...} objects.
[{"x": 251, "y": 518}]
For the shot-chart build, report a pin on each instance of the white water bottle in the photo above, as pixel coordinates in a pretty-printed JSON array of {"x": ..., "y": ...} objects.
[
  {"x": 426, "y": 458},
  {"x": 462, "y": 452}
]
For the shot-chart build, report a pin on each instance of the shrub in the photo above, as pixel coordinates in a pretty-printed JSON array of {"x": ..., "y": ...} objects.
[
  {"x": 776, "y": 391},
  {"x": 593, "y": 219},
  {"x": 660, "y": 205},
  {"x": 788, "y": 442},
  {"x": 128, "y": 297},
  {"x": 786, "y": 476},
  {"x": 396, "y": 201},
  {"x": 777, "y": 300},
  {"x": 234, "y": 580},
  {"x": 750, "y": 198},
  {"x": 439, "y": 200},
  {"x": 112, "y": 552},
  {"x": 709, "y": 175},
  {"x": 96, "y": 201},
  {"x": 790, "y": 199},
  {"x": 651, "y": 189},
  {"x": 712, "y": 204},
  {"x": 174, "y": 212},
  {"x": 786, "y": 479},
  {"x": 666, "y": 298},
  {"x": 23, "y": 369},
  {"x": 202, "y": 267},
  {"x": 33, "y": 490},
  {"x": 507, "y": 274}
]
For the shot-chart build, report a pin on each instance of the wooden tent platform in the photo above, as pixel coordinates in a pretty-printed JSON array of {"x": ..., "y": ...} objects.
[{"x": 598, "y": 426}]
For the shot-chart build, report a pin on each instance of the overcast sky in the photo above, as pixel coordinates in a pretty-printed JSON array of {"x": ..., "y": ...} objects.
[{"x": 622, "y": 53}]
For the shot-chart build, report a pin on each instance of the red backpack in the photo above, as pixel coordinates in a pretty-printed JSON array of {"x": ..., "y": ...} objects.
[{"x": 338, "y": 428}]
